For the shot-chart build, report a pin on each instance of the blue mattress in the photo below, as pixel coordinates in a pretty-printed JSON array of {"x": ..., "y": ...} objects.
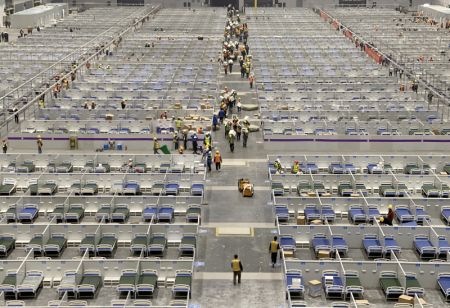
[
  {"x": 311, "y": 212},
  {"x": 390, "y": 241},
  {"x": 287, "y": 241},
  {"x": 373, "y": 212},
  {"x": 149, "y": 212},
  {"x": 409, "y": 224},
  {"x": 338, "y": 241},
  {"x": 290, "y": 277},
  {"x": 166, "y": 212},
  {"x": 321, "y": 241},
  {"x": 172, "y": 186},
  {"x": 421, "y": 243},
  {"x": 446, "y": 214},
  {"x": 402, "y": 214},
  {"x": 197, "y": 189},
  {"x": 134, "y": 186},
  {"x": 370, "y": 242},
  {"x": 444, "y": 283},
  {"x": 32, "y": 211},
  {"x": 282, "y": 212},
  {"x": 357, "y": 212},
  {"x": 328, "y": 212},
  {"x": 443, "y": 245}
]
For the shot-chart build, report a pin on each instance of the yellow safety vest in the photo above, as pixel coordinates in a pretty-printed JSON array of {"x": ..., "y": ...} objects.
[
  {"x": 295, "y": 168},
  {"x": 235, "y": 265},
  {"x": 273, "y": 246}
]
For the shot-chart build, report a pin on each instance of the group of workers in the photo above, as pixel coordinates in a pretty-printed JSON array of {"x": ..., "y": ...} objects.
[{"x": 295, "y": 168}]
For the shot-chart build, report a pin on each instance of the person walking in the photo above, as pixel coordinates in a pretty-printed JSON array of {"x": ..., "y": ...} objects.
[
  {"x": 209, "y": 159},
  {"x": 244, "y": 137},
  {"x": 231, "y": 138},
  {"x": 215, "y": 122},
  {"x": 230, "y": 65},
  {"x": 221, "y": 115},
  {"x": 239, "y": 105},
  {"x": 236, "y": 266},
  {"x": 218, "y": 160},
  {"x": 40, "y": 144},
  {"x": 4, "y": 146},
  {"x": 194, "y": 143},
  {"x": 251, "y": 79},
  {"x": 274, "y": 247},
  {"x": 16, "y": 115},
  {"x": 175, "y": 141},
  {"x": 156, "y": 146}
]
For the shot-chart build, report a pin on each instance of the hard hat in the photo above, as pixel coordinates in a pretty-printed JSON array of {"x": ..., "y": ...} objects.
[
  {"x": 381, "y": 219},
  {"x": 390, "y": 206},
  {"x": 217, "y": 151},
  {"x": 296, "y": 161}
]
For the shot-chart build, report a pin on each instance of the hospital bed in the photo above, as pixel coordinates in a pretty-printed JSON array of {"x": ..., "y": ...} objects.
[
  {"x": 107, "y": 245},
  {"x": 31, "y": 285},
  {"x": 139, "y": 244},
  {"x": 345, "y": 189},
  {"x": 140, "y": 168},
  {"x": 36, "y": 245},
  {"x": 320, "y": 243},
  {"x": 357, "y": 215},
  {"x": 89, "y": 188},
  {"x": 443, "y": 248},
  {"x": 303, "y": 187},
  {"x": 446, "y": 168},
  {"x": 126, "y": 188},
  {"x": 379, "y": 168},
  {"x": 277, "y": 188},
  {"x": 104, "y": 213},
  {"x": 182, "y": 285},
  {"x": 25, "y": 167},
  {"x": 391, "y": 246},
  {"x": 388, "y": 190},
  {"x": 178, "y": 168},
  {"x": 64, "y": 167},
  {"x": 147, "y": 284},
  {"x": 164, "y": 167},
  {"x": 342, "y": 168},
  {"x": 187, "y": 245},
  {"x": 312, "y": 213},
  {"x": 412, "y": 286},
  {"x": 339, "y": 245},
  {"x": 391, "y": 286},
  {"x": 88, "y": 243},
  {"x": 68, "y": 284},
  {"x": 193, "y": 214},
  {"x": 28, "y": 214},
  {"x": 157, "y": 245},
  {"x": 295, "y": 284},
  {"x": 333, "y": 284},
  {"x": 424, "y": 247},
  {"x": 171, "y": 189},
  {"x": 8, "y": 187},
  {"x": 319, "y": 188},
  {"x": 197, "y": 189},
  {"x": 74, "y": 213},
  {"x": 57, "y": 213},
  {"x": 127, "y": 283},
  {"x": 166, "y": 214},
  {"x": 430, "y": 191},
  {"x": 403, "y": 214},
  {"x": 444, "y": 285},
  {"x": 7, "y": 245},
  {"x": 91, "y": 167},
  {"x": 327, "y": 213},
  {"x": 353, "y": 285},
  {"x": 309, "y": 168},
  {"x": 55, "y": 245},
  {"x": 120, "y": 214},
  {"x": 282, "y": 213},
  {"x": 373, "y": 213},
  {"x": 142, "y": 303},
  {"x": 445, "y": 214},
  {"x": 48, "y": 188},
  {"x": 372, "y": 246},
  {"x": 8, "y": 286},
  {"x": 91, "y": 281},
  {"x": 157, "y": 189},
  {"x": 149, "y": 212},
  {"x": 287, "y": 243},
  {"x": 11, "y": 214}
]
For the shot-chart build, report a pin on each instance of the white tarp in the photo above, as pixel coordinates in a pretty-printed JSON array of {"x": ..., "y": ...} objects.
[
  {"x": 437, "y": 12},
  {"x": 42, "y": 15}
]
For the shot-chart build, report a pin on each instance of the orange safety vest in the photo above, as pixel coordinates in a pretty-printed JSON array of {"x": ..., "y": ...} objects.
[{"x": 217, "y": 158}]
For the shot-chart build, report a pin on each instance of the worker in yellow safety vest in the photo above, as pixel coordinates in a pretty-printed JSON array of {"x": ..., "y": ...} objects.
[
  {"x": 237, "y": 268},
  {"x": 273, "y": 249},
  {"x": 295, "y": 167}
]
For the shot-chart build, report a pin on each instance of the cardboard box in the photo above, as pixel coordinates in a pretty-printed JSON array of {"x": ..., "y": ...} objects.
[
  {"x": 362, "y": 302},
  {"x": 301, "y": 220},
  {"x": 316, "y": 222},
  {"x": 326, "y": 195},
  {"x": 314, "y": 282},
  {"x": 311, "y": 194},
  {"x": 288, "y": 254},
  {"x": 406, "y": 299},
  {"x": 323, "y": 254},
  {"x": 422, "y": 301}
]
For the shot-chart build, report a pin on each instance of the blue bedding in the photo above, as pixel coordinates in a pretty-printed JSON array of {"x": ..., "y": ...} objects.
[
  {"x": 403, "y": 215},
  {"x": 149, "y": 212},
  {"x": 357, "y": 215},
  {"x": 197, "y": 189}
]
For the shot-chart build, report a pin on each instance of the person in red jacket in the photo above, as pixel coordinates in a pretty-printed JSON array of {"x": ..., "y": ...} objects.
[{"x": 218, "y": 160}]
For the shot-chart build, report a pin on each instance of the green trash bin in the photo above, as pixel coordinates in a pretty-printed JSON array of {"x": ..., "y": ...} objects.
[{"x": 165, "y": 149}]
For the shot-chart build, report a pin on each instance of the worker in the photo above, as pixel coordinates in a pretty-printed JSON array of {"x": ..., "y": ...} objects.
[
  {"x": 130, "y": 165},
  {"x": 40, "y": 144},
  {"x": 237, "y": 268},
  {"x": 251, "y": 79},
  {"x": 273, "y": 249},
  {"x": 194, "y": 143},
  {"x": 215, "y": 122},
  {"x": 156, "y": 146},
  {"x": 296, "y": 167},
  {"x": 231, "y": 138},
  {"x": 208, "y": 154},
  {"x": 218, "y": 160},
  {"x": 4, "y": 146},
  {"x": 178, "y": 124},
  {"x": 207, "y": 141},
  {"x": 123, "y": 104},
  {"x": 277, "y": 165},
  {"x": 244, "y": 137},
  {"x": 221, "y": 115},
  {"x": 389, "y": 218},
  {"x": 175, "y": 141}
]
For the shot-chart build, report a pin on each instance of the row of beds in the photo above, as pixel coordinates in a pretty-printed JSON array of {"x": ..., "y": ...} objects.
[
  {"x": 372, "y": 168},
  {"x": 106, "y": 213},
  {"x": 50, "y": 187},
  {"x": 374, "y": 246},
  {"x": 357, "y": 214},
  {"x": 338, "y": 286},
  {"x": 349, "y": 131},
  {"x": 92, "y": 167},
  {"x": 143, "y": 284},
  {"x": 347, "y": 189},
  {"x": 104, "y": 245}
]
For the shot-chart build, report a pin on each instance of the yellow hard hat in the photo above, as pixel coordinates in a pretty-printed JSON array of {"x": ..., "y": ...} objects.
[
  {"x": 381, "y": 219},
  {"x": 390, "y": 206}
]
